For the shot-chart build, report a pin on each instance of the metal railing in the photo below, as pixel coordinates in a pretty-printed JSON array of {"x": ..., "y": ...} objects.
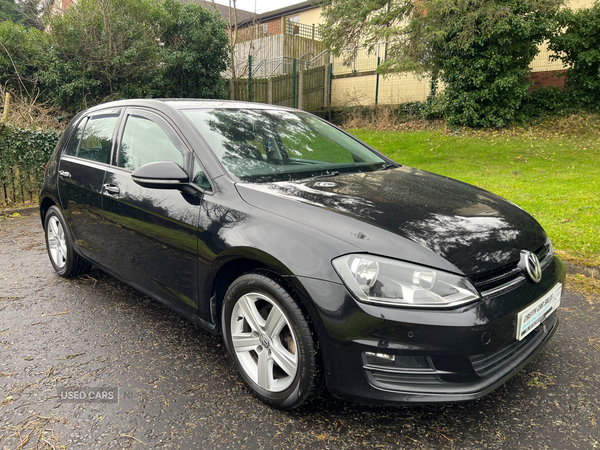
[
  {"x": 285, "y": 26},
  {"x": 271, "y": 67},
  {"x": 321, "y": 59}
]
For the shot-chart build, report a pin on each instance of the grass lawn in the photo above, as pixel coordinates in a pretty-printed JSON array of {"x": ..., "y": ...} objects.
[{"x": 552, "y": 171}]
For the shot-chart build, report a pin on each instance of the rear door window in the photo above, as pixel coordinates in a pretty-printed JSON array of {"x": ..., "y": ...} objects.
[{"x": 96, "y": 143}]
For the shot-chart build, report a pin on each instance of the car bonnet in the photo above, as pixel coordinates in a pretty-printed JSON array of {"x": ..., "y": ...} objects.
[{"x": 407, "y": 214}]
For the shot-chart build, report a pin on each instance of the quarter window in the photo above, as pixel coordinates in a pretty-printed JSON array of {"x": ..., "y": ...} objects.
[
  {"x": 144, "y": 141},
  {"x": 200, "y": 178}
]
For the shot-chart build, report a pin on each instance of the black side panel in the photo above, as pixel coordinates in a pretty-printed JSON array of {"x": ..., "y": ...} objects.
[
  {"x": 152, "y": 238},
  {"x": 80, "y": 185}
]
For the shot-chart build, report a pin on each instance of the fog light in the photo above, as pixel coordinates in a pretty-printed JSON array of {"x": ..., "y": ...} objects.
[
  {"x": 397, "y": 361},
  {"x": 380, "y": 359},
  {"x": 382, "y": 355}
]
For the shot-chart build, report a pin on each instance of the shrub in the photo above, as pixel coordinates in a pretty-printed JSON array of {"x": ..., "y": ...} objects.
[
  {"x": 578, "y": 46},
  {"x": 487, "y": 77},
  {"x": 431, "y": 109},
  {"x": 195, "y": 52},
  {"x": 546, "y": 101}
]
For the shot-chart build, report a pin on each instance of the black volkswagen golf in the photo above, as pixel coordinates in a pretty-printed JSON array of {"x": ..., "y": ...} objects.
[{"x": 320, "y": 261}]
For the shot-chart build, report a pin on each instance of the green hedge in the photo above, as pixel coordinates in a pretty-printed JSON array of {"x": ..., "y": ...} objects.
[{"x": 23, "y": 155}]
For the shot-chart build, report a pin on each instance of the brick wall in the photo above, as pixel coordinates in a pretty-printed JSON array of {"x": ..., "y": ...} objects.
[{"x": 548, "y": 78}]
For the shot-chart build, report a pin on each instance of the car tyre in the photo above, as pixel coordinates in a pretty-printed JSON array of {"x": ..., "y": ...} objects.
[
  {"x": 59, "y": 244},
  {"x": 271, "y": 342}
]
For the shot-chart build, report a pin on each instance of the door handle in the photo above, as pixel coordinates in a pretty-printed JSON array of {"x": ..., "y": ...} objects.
[
  {"x": 111, "y": 189},
  {"x": 64, "y": 174}
]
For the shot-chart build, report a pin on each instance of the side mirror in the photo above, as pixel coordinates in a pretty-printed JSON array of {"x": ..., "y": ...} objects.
[{"x": 161, "y": 175}]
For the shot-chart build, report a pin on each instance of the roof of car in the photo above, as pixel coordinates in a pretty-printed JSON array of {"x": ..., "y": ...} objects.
[{"x": 186, "y": 103}]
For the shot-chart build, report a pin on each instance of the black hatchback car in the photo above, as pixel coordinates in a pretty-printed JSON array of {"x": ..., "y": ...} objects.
[{"x": 321, "y": 262}]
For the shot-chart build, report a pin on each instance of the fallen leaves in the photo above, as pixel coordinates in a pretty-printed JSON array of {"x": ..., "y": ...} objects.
[
  {"x": 34, "y": 431},
  {"x": 540, "y": 380},
  {"x": 66, "y": 357},
  {"x": 588, "y": 286}
]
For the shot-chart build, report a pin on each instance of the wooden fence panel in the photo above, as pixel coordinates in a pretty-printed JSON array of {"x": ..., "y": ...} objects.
[
  {"x": 259, "y": 90},
  {"x": 18, "y": 187},
  {"x": 282, "y": 89},
  {"x": 241, "y": 89},
  {"x": 8, "y": 186},
  {"x": 295, "y": 46},
  {"x": 2, "y": 193},
  {"x": 314, "y": 85}
]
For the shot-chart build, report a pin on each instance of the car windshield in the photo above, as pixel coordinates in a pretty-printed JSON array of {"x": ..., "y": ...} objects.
[{"x": 272, "y": 145}]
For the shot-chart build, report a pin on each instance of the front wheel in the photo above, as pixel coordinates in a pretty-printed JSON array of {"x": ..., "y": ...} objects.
[
  {"x": 65, "y": 261},
  {"x": 270, "y": 341}
]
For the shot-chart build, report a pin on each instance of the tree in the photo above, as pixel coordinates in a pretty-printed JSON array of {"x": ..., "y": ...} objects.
[
  {"x": 8, "y": 11},
  {"x": 233, "y": 34},
  {"x": 32, "y": 13},
  {"x": 111, "y": 49},
  {"x": 195, "y": 51},
  {"x": 22, "y": 54},
  {"x": 104, "y": 49},
  {"x": 480, "y": 49}
]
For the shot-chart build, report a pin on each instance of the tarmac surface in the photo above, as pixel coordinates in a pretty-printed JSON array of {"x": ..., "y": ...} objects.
[{"x": 179, "y": 390}]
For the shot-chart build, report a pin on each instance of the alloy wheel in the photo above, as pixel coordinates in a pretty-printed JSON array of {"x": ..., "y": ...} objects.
[
  {"x": 264, "y": 342},
  {"x": 56, "y": 242}
]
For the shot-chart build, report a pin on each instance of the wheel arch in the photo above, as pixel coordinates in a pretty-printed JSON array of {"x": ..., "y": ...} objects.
[
  {"x": 45, "y": 204},
  {"x": 235, "y": 264}
]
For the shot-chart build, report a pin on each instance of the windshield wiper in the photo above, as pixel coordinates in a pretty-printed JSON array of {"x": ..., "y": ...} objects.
[
  {"x": 389, "y": 165},
  {"x": 333, "y": 173}
]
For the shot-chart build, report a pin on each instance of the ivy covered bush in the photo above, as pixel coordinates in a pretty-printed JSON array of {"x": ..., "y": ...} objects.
[
  {"x": 487, "y": 73},
  {"x": 578, "y": 46},
  {"x": 28, "y": 151}
]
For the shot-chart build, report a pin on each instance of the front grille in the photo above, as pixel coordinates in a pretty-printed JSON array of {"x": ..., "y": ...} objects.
[
  {"x": 506, "y": 278},
  {"x": 545, "y": 254},
  {"x": 489, "y": 363}
]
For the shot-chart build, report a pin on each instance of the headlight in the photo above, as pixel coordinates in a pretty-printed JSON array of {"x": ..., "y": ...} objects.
[{"x": 374, "y": 279}]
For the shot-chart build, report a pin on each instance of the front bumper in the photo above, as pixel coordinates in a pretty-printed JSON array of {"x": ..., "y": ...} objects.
[{"x": 395, "y": 356}]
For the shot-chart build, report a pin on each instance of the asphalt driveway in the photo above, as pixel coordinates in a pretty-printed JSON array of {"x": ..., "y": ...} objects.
[{"x": 182, "y": 392}]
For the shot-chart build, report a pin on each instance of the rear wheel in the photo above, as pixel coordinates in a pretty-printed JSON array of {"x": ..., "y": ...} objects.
[
  {"x": 270, "y": 341},
  {"x": 65, "y": 261}
]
